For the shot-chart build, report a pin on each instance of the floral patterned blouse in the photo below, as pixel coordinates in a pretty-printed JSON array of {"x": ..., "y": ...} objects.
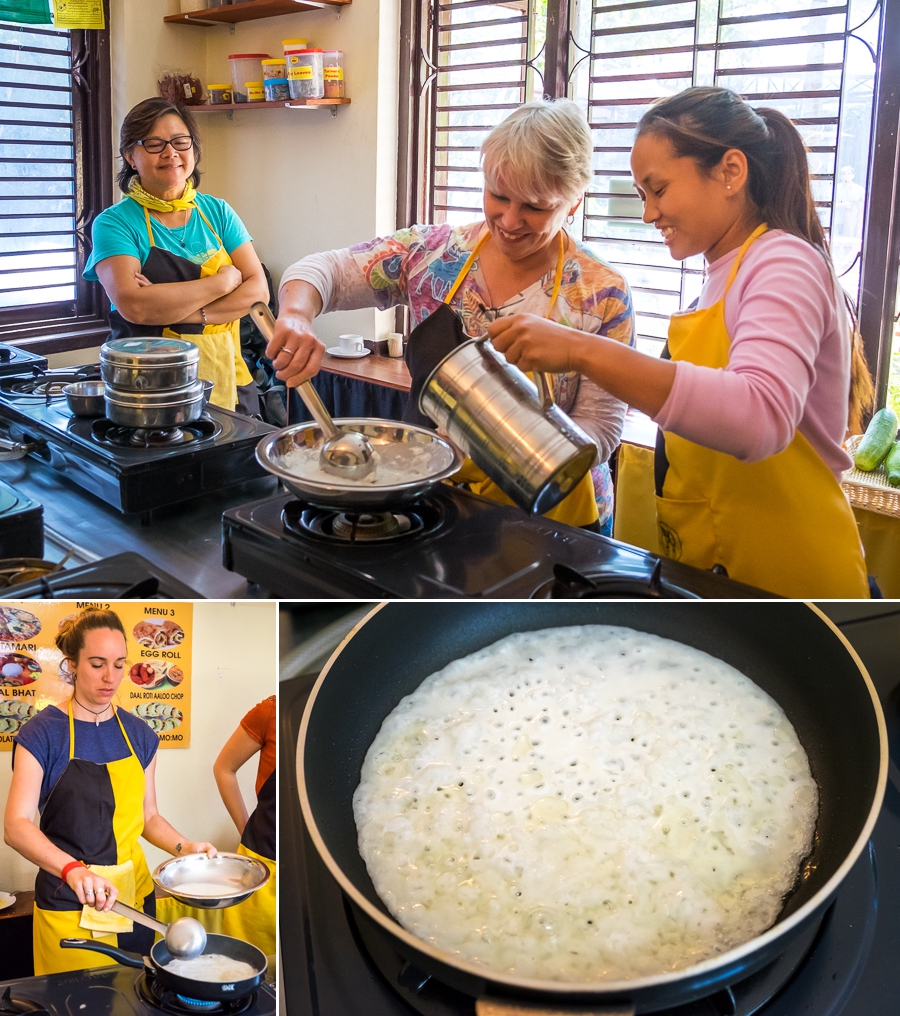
[{"x": 416, "y": 267}]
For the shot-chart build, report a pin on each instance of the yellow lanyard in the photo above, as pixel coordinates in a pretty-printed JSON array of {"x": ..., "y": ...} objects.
[
  {"x": 202, "y": 216},
  {"x": 483, "y": 239}
]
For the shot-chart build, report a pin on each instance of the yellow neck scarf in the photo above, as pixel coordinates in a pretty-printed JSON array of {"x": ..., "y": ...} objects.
[{"x": 155, "y": 204}]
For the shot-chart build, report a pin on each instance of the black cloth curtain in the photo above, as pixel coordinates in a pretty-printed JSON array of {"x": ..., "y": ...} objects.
[{"x": 349, "y": 397}]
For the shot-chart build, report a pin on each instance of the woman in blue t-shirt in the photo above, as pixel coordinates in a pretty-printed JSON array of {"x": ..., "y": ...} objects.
[
  {"x": 89, "y": 770},
  {"x": 174, "y": 262}
]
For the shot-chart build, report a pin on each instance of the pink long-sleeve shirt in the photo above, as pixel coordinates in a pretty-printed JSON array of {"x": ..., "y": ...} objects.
[{"x": 789, "y": 367}]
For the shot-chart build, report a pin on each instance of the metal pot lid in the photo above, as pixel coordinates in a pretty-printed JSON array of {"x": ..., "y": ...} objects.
[
  {"x": 149, "y": 352},
  {"x": 155, "y": 400}
]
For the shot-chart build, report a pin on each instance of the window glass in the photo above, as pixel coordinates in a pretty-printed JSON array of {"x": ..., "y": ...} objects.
[
  {"x": 37, "y": 168},
  {"x": 815, "y": 63}
]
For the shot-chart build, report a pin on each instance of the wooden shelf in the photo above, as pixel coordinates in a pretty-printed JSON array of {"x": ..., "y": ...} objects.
[
  {"x": 228, "y": 107},
  {"x": 250, "y": 10}
]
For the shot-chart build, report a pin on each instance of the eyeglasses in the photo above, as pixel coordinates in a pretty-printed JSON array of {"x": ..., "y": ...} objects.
[{"x": 154, "y": 146}]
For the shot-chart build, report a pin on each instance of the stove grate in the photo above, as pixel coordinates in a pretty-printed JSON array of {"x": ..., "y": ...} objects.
[
  {"x": 422, "y": 517},
  {"x": 112, "y": 435}
]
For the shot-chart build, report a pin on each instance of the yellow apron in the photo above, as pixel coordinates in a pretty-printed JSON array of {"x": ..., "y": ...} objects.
[
  {"x": 783, "y": 524},
  {"x": 69, "y": 819},
  {"x": 579, "y": 508},
  {"x": 220, "y": 345}
]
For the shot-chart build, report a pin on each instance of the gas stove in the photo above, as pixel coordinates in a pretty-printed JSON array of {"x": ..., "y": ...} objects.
[
  {"x": 448, "y": 544},
  {"x": 125, "y": 576},
  {"x": 17, "y": 361},
  {"x": 21, "y": 525},
  {"x": 134, "y": 470},
  {"x": 117, "y": 991},
  {"x": 846, "y": 964}
]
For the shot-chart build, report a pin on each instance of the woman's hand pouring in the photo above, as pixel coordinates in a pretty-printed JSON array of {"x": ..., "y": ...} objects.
[{"x": 533, "y": 343}]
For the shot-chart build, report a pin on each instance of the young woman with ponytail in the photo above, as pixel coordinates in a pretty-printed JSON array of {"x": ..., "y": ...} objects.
[
  {"x": 87, "y": 771},
  {"x": 756, "y": 386}
]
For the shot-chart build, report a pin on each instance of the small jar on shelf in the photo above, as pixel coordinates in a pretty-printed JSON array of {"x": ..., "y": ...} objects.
[{"x": 333, "y": 73}]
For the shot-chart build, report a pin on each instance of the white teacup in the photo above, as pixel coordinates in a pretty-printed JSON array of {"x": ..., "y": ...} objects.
[{"x": 351, "y": 343}]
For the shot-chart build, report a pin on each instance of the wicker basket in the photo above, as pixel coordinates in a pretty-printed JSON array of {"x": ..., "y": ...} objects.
[{"x": 870, "y": 490}]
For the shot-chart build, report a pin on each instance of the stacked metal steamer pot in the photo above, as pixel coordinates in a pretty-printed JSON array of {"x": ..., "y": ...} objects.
[{"x": 152, "y": 382}]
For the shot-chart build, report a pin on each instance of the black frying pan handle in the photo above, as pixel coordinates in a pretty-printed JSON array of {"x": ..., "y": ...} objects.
[{"x": 125, "y": 958}]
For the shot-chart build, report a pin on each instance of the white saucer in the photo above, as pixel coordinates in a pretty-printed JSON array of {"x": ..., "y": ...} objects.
[
  {"x": 6, "y": 900},
  {"x": 336, "y": 351}
]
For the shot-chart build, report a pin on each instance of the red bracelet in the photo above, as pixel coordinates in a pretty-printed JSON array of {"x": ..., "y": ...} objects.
[{"x": 70, "y": 866}]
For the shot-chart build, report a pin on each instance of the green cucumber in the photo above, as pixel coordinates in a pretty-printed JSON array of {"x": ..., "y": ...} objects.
[
  {"x": 892, "y": 465},
  {"x": 877, "y": 440}
]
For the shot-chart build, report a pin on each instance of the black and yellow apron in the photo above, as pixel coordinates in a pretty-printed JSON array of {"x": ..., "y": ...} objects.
[
  {"x": 253, "y": 920},
  {"x": 95, "y": 812},
  {"x": 220, "y": 345},
  {"x": 437, "y": 336},
  {"x": 783, "y": 524}
]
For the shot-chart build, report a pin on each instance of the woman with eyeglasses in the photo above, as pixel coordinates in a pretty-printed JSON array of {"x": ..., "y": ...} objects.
[{"x": 175, "y": 262}]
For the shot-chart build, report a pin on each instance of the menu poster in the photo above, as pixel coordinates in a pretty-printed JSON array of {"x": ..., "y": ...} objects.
[{"x": 157, "y": 682}]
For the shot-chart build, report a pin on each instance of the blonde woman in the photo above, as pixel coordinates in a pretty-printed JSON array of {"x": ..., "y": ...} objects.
[{"x": 456, "y": 280}]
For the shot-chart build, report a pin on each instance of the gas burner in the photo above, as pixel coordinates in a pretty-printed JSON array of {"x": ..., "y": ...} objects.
[
  {"x": 44, "y": 387},
  {"x": 569, "y": 584},
  {"x": 11, "y": 1004},
  {"x": 424, "y": 516},
  {"x": 162, "y": 999},
  {"x": 107, "y": 433},
  {"x": 428, "y": 997}
]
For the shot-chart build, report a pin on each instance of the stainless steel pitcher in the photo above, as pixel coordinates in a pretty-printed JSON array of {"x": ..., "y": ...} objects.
[{"x": 507, "y": 425}]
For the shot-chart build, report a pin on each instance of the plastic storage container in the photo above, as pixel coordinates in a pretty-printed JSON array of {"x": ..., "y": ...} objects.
[
  {"x": 333, "y": 72},
  {"x": 188, "y": 6},
  {"x": 277, "y": 89},
  {"x": 219, "y": 95},
  {"x": 287, "y": 44},
  {"x": 255, "y": 91},
  {"x": 245, "y": 67},
  {"x": 275, "y": 67},
  {"x": 305, "y": 73}
]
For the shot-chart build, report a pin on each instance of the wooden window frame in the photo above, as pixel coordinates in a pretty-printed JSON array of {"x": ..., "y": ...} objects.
[{"x": 41, "y": 328}]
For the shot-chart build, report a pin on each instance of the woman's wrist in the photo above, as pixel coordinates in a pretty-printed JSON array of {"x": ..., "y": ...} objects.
[{"x": 70, "y": 867}]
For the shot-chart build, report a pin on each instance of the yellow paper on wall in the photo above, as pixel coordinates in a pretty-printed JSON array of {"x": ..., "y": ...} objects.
[
  {"x": 78, "y": 14},
  {"x": 157, "y": 683}
]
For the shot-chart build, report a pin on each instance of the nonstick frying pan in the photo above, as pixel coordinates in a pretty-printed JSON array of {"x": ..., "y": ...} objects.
[
  {"x": 207, "y": 991},
  {"x": 789, "y": 649}
]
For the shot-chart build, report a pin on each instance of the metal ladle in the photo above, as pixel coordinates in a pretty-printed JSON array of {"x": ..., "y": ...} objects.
[
  {"x": 185, "y": 937},
  {"x": 344, "y": 453}
]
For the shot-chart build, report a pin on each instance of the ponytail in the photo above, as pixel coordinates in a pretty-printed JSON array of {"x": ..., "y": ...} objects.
[
  {"x": 703, "y": 124},
  {"x": 72, "y": 630}
]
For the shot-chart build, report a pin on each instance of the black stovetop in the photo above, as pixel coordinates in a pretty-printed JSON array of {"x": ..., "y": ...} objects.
[
  {"x": 14, "y": 360},
  {"x": 102, "y": 991},
  {"x": 126, "y": 576},
  {"x": 850, "y": 966},
  {"x": 468, "y": 547},
  {"x": 217, "y": 452}
]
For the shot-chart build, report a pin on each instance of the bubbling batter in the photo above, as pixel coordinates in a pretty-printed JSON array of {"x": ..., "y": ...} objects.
[
  {"x": 585, "y": 804},
  {"x": 397, "y": 463},
  {"x": 211, "y": 967}
]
